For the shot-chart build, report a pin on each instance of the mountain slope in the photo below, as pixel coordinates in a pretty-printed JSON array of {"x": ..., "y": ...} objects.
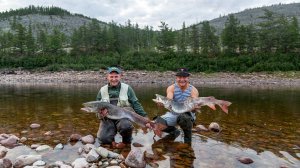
[{"x": 251, "y": 16}]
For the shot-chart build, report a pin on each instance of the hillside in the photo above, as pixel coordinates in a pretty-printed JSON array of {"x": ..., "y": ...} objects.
[
  {"x": 54, "y": 17},
  {"x": 251, "y": 16},
  {"x": 67, "y": 22}
]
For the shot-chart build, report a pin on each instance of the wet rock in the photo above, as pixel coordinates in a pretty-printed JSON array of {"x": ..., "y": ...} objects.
[
  {"x": 23, "y": 139},
  {"x": 48, "y": 133},
  {"x": 5, "y": 163},
  {"x": 11, "y": 141},
  {"x": 35, "y": 125},
  {"x": 34, "y": 146},
  {"x": 3, "y": 152},
  {"x": 245, "y": 160},
  {"x": 135, "y": 144},
  {"x": 89, "y": 139},
  {"x": 39, "y": 163},
  {"x": 87, "y": 147},
  {"x": 59, "y": 147},
  {"x": 43, "y": 148},
  {"x": 215, "y": 127},
  {"x": 113, "y": 167},
  {"x": 201, "y": 128},
  {"x": 113, "y": 162},
  {"x": 62, "y": 164},
  {"x": 75, "y": 137},
  {"x": 103, "y": 152},
  {"x": 80, "y": 163},
  {"x": 25, "y": 160},
  {"x": 135, "y": 158},
  {"x": 24, "y": 132},
  {"x": 92, "y": 156}
]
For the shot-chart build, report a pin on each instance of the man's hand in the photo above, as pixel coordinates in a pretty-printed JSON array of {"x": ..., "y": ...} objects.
[{"x": 103, "y": 112}]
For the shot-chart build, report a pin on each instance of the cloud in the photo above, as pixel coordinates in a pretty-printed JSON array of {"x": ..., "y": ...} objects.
[{"x": 148, "y": 12}]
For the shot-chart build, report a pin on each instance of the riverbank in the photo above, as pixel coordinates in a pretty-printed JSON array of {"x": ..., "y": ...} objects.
[{"x": 153, "y": 77}]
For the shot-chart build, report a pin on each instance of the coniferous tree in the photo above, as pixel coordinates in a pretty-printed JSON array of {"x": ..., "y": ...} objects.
[
  {"x": 209, "y": 41},
  {"x": 230, "y": 35},
  {"x": 165, "y": 38},
  {"x": 195, "y": 40}
]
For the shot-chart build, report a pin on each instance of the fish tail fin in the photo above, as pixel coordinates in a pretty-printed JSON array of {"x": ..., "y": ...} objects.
[{"x": 224, "y": 106}]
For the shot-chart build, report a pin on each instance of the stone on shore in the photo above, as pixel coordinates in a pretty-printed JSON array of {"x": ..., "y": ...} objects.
[
  {"x": 10, "y": 141},
  {"x": 201, "y": 128},
  {"x": 80, "y": 163},
  {"x": 43, "y": 148},
  {"x": 89, "y": 139},
  {"x": 3, "y": 152},
  {"x": 75, "y": 137},
  {"x": 5, "y": 163},
  {"x": 135, "y": 158},
  {"x": 25, "y": 160}
]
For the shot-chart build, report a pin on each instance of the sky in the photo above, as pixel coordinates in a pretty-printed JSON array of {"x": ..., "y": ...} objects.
[{"x": 148, "y": 12}]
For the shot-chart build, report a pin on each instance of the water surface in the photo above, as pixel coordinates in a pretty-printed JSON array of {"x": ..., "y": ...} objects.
[{"x": 263, "y": 123}]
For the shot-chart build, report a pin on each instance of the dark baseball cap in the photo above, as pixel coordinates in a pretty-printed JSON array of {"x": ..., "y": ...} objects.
[
  {"x": 114, "y": 69},
  {"x": 183, "y": 72}
]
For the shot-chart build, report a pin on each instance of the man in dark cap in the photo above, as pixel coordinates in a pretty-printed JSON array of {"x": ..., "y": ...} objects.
[
  {"x": 122, "y": 95},
  {"x": 180, "y": 91}
]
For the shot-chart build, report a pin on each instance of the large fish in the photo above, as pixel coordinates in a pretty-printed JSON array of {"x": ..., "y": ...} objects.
[
  {"x": 190, "y": 103},
  {"x": 116, "y": 113}
]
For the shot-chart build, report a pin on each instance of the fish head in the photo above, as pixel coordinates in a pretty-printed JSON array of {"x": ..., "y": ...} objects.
[
  {"x": 93, "y": 106},
  {"x": 162, "y": 99}
]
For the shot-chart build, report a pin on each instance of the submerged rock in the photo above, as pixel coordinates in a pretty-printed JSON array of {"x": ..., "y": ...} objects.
[
  {"x": 201, "y": 128},
  {"x": 35, "y": 125},
  {"x": 245, "y": 160},
  {"x": 215, "y": 127}
]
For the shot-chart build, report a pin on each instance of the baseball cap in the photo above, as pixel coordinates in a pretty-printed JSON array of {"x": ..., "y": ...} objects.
[
  {"x": 183, "y": 72},
  {"x": 114, "y": 69}
]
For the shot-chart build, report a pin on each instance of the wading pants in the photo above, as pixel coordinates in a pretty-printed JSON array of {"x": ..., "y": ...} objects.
[
  {"x": 185, "y": 121},
  {"x": 108, "y": 128}
]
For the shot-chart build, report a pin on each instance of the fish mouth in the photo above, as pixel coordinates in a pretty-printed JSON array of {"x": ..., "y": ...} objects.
[{"x": 86, "y": 109}]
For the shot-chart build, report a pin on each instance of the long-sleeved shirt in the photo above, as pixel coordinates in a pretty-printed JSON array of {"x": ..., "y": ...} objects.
[{"x": 114, "y": 92}]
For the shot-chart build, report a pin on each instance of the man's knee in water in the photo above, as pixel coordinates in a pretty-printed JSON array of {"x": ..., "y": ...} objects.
[{"x": 185, "y": 121}]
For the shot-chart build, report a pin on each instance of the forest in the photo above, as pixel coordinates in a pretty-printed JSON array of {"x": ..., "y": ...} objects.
[{"x": 271, "y": 45}]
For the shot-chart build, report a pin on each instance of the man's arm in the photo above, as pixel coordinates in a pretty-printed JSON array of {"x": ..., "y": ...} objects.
[
  {"x": 170, "y": 92},
  {"x": 136, "y": 105}
]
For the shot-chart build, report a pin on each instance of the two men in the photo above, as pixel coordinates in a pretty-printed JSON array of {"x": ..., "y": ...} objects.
[{"x": 122, "y": 95}]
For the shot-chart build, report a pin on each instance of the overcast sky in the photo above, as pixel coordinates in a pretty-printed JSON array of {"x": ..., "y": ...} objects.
[{"x": 148, "y": 12}]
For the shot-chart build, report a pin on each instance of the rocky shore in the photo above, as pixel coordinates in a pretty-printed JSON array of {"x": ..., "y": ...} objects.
[{"x": 153, "y": 77}]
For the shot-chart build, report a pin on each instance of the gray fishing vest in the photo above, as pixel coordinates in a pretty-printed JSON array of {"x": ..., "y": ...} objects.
[{"x": 123, "y": 97}]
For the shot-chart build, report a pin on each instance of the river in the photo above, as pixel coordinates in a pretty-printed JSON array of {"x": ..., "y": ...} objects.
[{"x": 263, "y": 123}]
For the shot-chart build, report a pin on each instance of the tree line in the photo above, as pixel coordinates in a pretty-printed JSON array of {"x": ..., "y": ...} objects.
[{"x": 271, "y": 45}]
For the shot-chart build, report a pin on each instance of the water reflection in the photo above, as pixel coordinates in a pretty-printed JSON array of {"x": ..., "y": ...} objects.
[{"x": 262, "y": 123}]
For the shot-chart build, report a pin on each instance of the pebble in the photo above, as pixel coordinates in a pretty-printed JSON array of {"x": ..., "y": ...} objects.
[
  {"x": 35, "y": 125},
  {"x": 245, "y": 160}
]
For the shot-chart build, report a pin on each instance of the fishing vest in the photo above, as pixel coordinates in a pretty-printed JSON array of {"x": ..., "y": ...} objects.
[{"x": 123, "y": 97}]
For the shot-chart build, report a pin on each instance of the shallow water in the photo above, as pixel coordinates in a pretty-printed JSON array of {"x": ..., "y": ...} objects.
[{"x": 263, "y": 123}]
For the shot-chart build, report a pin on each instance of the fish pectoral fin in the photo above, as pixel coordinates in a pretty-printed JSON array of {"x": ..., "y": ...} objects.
[
  {"x": 224, "y": 108},
  {"x": 212, "y": 106}
]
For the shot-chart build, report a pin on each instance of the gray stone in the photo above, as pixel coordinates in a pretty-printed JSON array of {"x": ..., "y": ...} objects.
[
  {"x": 25, "y": 160},
  {"x": 5, "y": 163},
  {"x": 3, "y": 151}
]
